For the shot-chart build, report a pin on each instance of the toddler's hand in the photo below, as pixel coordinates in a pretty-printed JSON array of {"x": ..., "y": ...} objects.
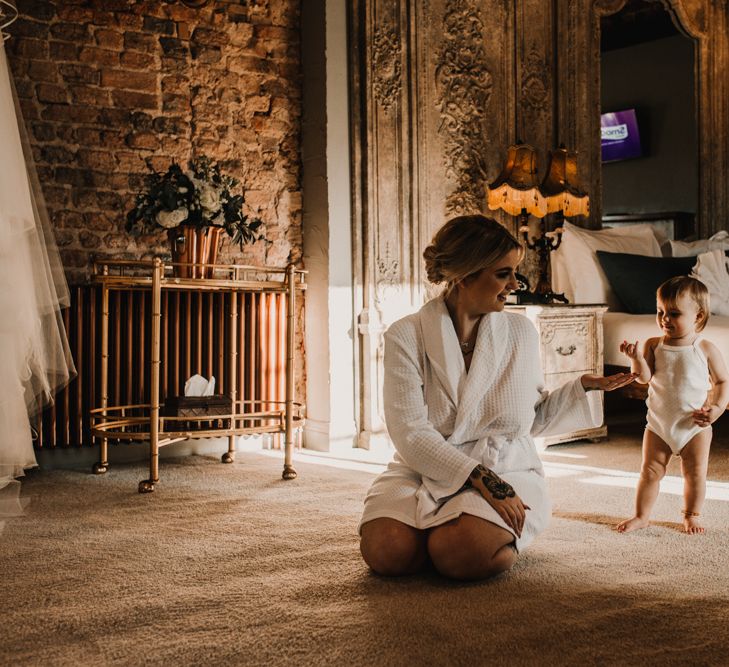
[
  {"x": 707, "y": 415},
  {"x": 631, "y": 350}
]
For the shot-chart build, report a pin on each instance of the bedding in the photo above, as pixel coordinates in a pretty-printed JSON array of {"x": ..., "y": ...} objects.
[
  {"x": 719, "y": 241},
  {"x": 582, "y": 274},
  {"x": 576, "y": 271},
  {"x": 711, "y": 269},
  {"x": 618, "y": 327}
]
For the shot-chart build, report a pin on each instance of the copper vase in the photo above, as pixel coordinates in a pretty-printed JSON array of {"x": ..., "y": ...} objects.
[{"x": 192, "y": 247}]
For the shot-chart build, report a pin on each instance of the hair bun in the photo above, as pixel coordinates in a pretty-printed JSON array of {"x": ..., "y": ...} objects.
[
  {"x": 433, "y": 265},
  {"x": 464, "y": 245}
]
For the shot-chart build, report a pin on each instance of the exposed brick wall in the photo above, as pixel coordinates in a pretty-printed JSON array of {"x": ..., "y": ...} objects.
[{"x": 110, "y": 88}]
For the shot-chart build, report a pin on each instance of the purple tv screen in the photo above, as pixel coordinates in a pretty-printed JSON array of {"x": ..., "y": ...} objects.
[{"x": 619, "y": 133}]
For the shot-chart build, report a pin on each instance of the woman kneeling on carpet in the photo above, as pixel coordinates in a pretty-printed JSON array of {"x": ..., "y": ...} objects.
[{"x": 463, "y": 397}]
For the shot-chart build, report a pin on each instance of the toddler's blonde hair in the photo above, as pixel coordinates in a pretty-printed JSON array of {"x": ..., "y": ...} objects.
[{"x": 669, "y": 292}]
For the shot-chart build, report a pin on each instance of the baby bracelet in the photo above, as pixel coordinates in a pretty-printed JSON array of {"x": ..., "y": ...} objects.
[{"x": 688, "y": 513}]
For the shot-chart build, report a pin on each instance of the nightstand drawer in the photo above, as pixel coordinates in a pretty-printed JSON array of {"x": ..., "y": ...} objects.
[
  {"x": 568, "y": 345},
  {"x": 556, "y": 380}
]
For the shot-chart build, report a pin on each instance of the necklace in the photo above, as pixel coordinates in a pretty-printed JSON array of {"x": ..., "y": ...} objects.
[{"x": 468, "y": 344}]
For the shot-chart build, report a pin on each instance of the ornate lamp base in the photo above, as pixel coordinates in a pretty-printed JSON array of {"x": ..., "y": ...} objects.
[
  {"x": 543, "y": 291},
  {"x": 544, "y": 244}
]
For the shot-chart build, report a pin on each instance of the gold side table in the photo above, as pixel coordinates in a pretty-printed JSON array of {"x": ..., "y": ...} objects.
[{"x": 143, "y": 421}]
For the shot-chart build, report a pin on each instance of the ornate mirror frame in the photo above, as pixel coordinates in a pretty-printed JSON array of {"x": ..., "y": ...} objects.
[{"x": 578, "y": 110}]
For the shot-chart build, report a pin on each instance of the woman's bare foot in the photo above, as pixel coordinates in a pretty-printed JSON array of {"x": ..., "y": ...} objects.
[
  {"x": 692, "y": 526},
  {"x": 630, "y": 525}
]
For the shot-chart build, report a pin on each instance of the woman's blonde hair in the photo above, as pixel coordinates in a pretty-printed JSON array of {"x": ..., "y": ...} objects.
[
  {"x": 464, "y": 246},
  {"x": 669, "y": 292}
]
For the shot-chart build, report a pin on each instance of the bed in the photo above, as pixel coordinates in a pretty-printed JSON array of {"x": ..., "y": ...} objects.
[
  {"x": 622, "y": 266},
  {"x": 618, "y": 327}
]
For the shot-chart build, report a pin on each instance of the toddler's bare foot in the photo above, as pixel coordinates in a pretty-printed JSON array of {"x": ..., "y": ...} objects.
[
  {"x": 631, "y": 524},
  {"x": 692, "y": 526}
]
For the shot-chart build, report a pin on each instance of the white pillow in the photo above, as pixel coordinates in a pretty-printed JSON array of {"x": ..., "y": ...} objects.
[
  {"x": 711, "y": 269},
  {"x": 576, "y": 270},
  {"x": 719, "y": 241}
]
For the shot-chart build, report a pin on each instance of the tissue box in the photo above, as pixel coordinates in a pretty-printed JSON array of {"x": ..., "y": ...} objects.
[{"x": 197, "y": 406}]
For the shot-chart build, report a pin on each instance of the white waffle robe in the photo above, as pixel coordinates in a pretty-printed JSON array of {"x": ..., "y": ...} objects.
[{"x": 444, "y": 420}]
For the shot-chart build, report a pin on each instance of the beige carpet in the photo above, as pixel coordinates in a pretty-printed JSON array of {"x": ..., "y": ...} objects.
[{"x": 231, "y": 565}]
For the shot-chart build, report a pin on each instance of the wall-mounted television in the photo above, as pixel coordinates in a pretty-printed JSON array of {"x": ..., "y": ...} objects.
[{"x": 620, "y": 135}]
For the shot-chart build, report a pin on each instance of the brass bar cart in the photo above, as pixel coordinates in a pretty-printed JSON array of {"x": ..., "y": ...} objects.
[{"x": 144, "y": 421}]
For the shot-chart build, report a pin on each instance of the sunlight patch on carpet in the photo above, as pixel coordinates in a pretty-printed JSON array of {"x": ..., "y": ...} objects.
[
  {"x": 564, "y": 455},
  {"x": 620, "y": 478},
  {"x": 324, "y": 459}
]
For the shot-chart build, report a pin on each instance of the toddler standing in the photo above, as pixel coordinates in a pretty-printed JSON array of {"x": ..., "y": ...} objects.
[{"x": 681, "y": 368}]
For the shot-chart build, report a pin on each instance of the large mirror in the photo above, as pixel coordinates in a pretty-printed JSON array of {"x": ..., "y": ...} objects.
[
  {"x": 648, "y": 122},
  {"x": 579, "y": 104}
]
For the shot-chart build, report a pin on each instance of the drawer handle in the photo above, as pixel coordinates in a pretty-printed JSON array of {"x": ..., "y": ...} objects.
[{"x": 567, "y": 352}]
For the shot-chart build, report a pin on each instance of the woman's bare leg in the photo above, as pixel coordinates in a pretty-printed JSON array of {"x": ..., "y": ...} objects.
[
  {"x": 656, "y": 455},
  {"x": 470, "y": 548},
  {"x": 392, "y": 548},
  {"x": 694, "y": 467}
]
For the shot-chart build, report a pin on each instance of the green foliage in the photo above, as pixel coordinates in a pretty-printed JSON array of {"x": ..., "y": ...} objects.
[{"x": 202, "y": 196}]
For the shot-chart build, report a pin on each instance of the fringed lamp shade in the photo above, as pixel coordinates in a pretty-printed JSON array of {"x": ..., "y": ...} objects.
[
  {"x": 516, "y": 189},
  {"x": 560, "y": 188}
]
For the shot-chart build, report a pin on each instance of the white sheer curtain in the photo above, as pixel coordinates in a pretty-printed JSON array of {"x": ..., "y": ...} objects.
[{"x": 34, "y": 356}]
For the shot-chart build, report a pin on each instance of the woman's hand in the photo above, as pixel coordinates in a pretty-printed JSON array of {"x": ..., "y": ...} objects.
[
  {"x": 631, "y": 350},
  {"x": 501, "y": 496},
  {"x": 607, "y": 383}
]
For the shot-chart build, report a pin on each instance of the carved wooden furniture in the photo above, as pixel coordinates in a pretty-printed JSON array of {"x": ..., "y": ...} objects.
[
  {"x": 143, "y": 421},
  {"x": 570, "y": 344}
]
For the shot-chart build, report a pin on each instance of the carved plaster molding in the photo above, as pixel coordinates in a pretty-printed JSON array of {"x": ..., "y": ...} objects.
[
  {"x": 535, "y": 82},
  {"x": 464, "y": 87},
  {"x": 695, "y": 23},
  {"x": 386, "y": 55},
  {"x": 607, "y": 7},
  {"x": 691, "y": 18},
  {"x": 388, "y": 268}
]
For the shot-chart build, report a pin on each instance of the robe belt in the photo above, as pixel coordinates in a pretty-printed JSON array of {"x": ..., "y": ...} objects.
[{"x": 487, "y": 449}]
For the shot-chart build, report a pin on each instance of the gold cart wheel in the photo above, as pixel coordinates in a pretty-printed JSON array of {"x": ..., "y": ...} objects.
[
  {"x": 289, "y": 472},
  {"x": 100, "y": 468},
  {"x": 146, "y": 486},
  {"x": 227, "y": 458}
]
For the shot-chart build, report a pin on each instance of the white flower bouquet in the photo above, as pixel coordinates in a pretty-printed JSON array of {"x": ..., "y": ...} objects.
[{"x": 202, "y": 196}]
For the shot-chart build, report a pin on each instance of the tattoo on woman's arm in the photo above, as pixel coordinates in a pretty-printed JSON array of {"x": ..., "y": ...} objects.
[{"x": 496, "y": 486}]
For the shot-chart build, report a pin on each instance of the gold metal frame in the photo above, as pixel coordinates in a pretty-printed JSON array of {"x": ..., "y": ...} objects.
[{"x": 143, "y": 421}]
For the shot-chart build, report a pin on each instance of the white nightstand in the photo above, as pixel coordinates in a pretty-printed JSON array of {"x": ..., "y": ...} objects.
[{"x": 570, "y": 345}]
